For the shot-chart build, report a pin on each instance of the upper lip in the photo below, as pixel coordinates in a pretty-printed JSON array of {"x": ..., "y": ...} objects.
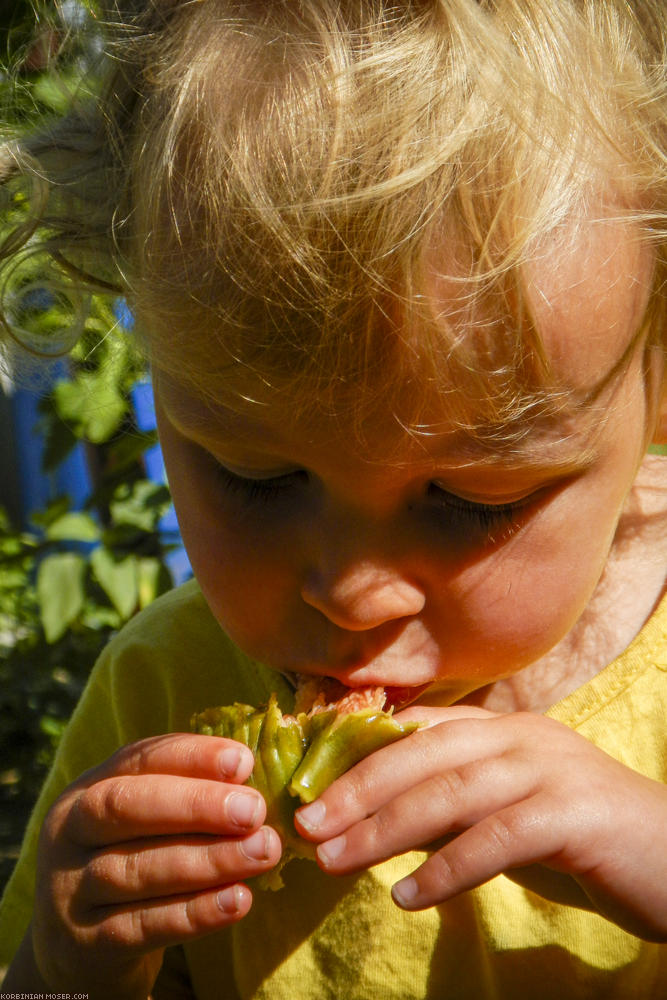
[{"x": 365, "y": 658}]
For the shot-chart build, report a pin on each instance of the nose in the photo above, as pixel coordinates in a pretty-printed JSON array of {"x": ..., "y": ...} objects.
[{"x": 362, "y": 595}]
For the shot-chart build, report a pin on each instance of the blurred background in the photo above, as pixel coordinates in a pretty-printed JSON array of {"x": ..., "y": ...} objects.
[{"x": 87, "y": 532}]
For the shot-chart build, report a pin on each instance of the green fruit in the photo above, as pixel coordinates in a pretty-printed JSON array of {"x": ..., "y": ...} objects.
[{"x": 297, "y": 757}]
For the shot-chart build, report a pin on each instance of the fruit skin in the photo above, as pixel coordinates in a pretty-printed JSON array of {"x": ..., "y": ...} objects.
[{"x": 298, "y": 756}]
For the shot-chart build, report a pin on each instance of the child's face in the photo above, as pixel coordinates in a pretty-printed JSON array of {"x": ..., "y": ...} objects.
[{"x": 431, "y": 568}]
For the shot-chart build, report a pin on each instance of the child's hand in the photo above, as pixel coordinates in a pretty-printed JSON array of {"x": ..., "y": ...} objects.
[
  {"x": 510, "y": 791},
  {"x": 145, "y": 851}
]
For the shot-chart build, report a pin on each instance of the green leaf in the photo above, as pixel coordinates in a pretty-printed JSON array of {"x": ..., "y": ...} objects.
[
  {"x": 117, "y": 578},
  {"x": 74, "y": 527},
  {"x": 92, "y": 403},
  {"x": 59, "y": 439},
  {"x": 52, "y": 727},
  {"x": 153, "y": 579},
  {"x": 99, "y": 618},
  {"x": 54, "y": 91},
  {"x": 56, "y": 509},
  {"x": 123, "y": 537},
  {"x": 60, "y": 591},
  {"x": 126, "y": 451},
  {"x": 141, "y": 505}
]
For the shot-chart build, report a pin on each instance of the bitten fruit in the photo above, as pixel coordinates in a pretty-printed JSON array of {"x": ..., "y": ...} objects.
[{"x": 298, "y": 756}]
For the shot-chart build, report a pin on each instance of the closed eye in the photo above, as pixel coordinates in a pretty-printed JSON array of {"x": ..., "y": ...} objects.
[
  {"x": 497, "y": 521},
  {"x": 259, "y": 489}
]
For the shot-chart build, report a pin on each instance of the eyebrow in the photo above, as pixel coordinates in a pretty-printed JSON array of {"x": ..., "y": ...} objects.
[
  {"x": 557, "y": 460},
  {"x": 474, "y": 447}
]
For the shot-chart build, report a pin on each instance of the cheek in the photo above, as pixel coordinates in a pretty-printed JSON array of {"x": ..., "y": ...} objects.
[
  {"x": 241, "y": 564},
  {"x": 516, "y": 604}
]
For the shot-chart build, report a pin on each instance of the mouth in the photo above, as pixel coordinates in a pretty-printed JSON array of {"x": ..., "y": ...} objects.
[{"x": 315, "y": 693}]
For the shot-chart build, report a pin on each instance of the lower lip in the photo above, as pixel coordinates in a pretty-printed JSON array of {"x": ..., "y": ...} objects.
[{"x": 401, "y": 697}]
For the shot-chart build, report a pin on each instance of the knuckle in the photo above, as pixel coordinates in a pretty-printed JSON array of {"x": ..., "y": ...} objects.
[
  {"x": 70, "y": 819},
  {"x": 110, "y": 800},
  {"x": 191, "y": 919},
  {"x": 215, "y": 859},
  {"x": 60, "y": 820},
  {"x": 377, "y": 831},
  {"x": 144, "y": 924},
  {"x": 135, "y": 929},
  {"x": 141, "y": 757},
  {"x": 99, "y": 802},
  {"x": 451, "y": 785},
  {"x": 500, "y": 833},
  {"x": 446, "y": 869},
  {"x": 55, "y": 821},
  {"x": 98, "y": 879},
  {"x": 118, "y": 934},
  {"x": 132, "y": 868},
  {"x": 199, "y": 804},
  {"x": 351, "y": 790},
  {"x": 182, "y": 748}
]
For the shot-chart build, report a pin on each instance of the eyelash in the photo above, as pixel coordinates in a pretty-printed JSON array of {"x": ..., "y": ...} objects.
[
  {"x": 262, "y": 490},
  {"x": 494, "y": 520}
]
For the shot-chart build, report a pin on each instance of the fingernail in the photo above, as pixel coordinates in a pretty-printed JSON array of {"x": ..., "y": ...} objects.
[
  {"x": 243, "y": 808},
  {"x": 327, "y": 853},
  {"x": 258, "y": 846},
  {"x": 405, "y": 892},
  {"x": 229, "y": 899},
  {"x": 229, "y": 762},
  {"x": 311, "y": 817}
]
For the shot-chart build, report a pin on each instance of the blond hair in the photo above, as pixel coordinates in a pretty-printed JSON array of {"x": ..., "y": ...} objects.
[{"x": 265, "y": 182}]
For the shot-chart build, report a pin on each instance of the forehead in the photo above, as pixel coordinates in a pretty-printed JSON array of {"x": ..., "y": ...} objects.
[
  {"x": 588, "y": 292},
  {"x": 585, "y": 289}
]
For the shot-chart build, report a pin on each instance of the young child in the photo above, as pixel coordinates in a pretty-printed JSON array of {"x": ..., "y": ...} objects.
[{"x": 400, "y": 271}]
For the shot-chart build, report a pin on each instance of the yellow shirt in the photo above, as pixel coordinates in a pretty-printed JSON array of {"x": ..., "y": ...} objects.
[{"x": 322, "y": 937}]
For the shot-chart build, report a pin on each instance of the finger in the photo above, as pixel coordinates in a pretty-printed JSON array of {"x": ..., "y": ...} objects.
[
  {"x": 388, "y": 773},
  {"x": 183, "y": 754},
  {"x": 520, "y": 835},
  {"x": 441, "y": 805},
  {"x": 127, "y": 807},
  {"x": 427, "y": 715},
  {"x": 167, "y": 867},
  {"x": 164, "y": 922}
]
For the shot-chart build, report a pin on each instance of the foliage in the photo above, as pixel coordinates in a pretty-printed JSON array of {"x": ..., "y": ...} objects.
[
  {"x": 45, "y": 53},
  {"x": 63, "y": 591},
  {"x": 76, "y": 576}
]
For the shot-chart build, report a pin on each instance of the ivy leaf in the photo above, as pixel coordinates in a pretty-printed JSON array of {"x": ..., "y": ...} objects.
[
  {"x": 60, "y": 591},
  {"x": 117, "y": 578}
]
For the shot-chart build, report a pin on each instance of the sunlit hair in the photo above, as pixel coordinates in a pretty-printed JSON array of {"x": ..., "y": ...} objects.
[{"x": 267, "y": 180}]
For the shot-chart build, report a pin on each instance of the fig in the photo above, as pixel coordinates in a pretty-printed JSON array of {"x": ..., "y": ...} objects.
[{"x": 298, "y": 756}]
